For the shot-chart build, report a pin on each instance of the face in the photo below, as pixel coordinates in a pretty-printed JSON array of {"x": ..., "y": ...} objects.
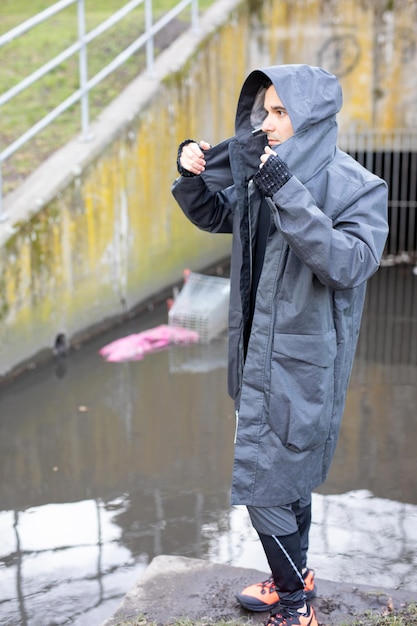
[{"x": 277, "y": 124}]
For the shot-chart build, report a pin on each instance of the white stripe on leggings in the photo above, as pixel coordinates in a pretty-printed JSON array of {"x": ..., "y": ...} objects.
[{"x": 289, "y": 559}]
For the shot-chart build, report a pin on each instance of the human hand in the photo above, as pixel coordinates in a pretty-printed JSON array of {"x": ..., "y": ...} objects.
[
  {"x": 265, "y": 156},
  {"x": 190, "y": 159},
  {"x": 273, "y": 173}
]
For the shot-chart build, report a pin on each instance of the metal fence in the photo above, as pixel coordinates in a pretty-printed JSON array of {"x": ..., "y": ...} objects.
[
  {"x": 392, "y": 155},
  {"x": 80, "y": 48}
]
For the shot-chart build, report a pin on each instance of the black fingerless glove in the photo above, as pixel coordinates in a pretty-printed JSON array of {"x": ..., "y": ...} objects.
[
  {"x": 180, "y": 168},
  {"x": 272, "y": 175}
]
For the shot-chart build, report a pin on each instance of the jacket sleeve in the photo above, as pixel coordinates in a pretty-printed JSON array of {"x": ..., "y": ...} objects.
[
  {"x": 343, "y": 250},
  {"x": 212, "y": 212},
  {"x": 208, "y": 200}
]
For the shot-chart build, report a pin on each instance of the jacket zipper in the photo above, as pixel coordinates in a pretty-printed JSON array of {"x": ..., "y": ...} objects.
[
  {"x": 250, "y": 187},
  {"x": 241, "y": 348}
]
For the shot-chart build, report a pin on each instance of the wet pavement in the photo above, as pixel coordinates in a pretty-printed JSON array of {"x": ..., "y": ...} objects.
[{"x": 105, "y": 466}]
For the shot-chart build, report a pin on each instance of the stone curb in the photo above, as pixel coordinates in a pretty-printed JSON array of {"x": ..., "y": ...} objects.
[{"x": 175, "y": 587}]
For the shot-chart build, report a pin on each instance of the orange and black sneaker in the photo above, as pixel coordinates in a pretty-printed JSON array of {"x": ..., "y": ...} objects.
[
  {"x": 264, "y": 596},
  {"x": 288, "y": 617}
]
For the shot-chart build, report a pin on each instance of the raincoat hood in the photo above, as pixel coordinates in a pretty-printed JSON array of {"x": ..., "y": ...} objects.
[{"x": 312, "y": 97}]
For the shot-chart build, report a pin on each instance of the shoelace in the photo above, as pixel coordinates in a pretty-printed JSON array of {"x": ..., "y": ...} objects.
[
  {"x": 279, "y": 619},
  {"x": 268, "y": 585}
]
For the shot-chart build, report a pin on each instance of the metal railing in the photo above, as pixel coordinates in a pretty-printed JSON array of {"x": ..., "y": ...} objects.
[{"x": 80, "y": 47}]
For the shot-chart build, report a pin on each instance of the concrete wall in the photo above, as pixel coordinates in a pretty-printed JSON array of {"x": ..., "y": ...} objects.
[
  {"x": 95, "y": 231},
  {"x": 370, "y": 45}
]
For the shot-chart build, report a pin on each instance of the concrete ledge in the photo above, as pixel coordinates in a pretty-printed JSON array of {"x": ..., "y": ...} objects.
[{"x": 175, "y": 587}]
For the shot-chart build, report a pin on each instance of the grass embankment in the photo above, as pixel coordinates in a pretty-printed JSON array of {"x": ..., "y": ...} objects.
[
  {"x": 406, "y": 617},
  {"x": 27, "y": 53}
]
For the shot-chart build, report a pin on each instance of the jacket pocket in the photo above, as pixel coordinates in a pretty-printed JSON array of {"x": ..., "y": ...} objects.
[{"x": 302, "y": 389}]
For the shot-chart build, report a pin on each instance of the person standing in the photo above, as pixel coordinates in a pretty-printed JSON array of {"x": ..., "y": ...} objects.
[{"x": 309, "y": 227}]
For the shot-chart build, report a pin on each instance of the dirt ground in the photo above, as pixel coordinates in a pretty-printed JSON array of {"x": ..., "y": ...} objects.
[{"x": 178, "y": 587}]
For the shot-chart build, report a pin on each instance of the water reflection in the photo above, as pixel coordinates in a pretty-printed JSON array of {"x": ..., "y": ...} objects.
[
  {"x": 355, "y": 537},
  {"x": 105, "y": 466},
  {"x": 379, "y": 431}
]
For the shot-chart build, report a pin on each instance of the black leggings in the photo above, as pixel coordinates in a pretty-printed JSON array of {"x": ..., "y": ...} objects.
[
  {"x": 285, "y": 520},
  {"x": 284, "y": 558},
  {"x": 284, "y": 532}
]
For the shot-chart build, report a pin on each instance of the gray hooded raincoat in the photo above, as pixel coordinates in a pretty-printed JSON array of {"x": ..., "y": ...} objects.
[{"x": 327, "y": 233}]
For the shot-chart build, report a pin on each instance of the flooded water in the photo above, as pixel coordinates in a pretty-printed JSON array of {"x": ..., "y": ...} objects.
[{"x": 105, "y": 466}]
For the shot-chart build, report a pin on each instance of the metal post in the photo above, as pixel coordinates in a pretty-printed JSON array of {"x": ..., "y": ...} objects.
[
  {"x": 83, "y": 71},
  {"x": 149, "y": 41},
  {"x": 3, "y": 217},
  {"x": 194, "y": 15}
]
